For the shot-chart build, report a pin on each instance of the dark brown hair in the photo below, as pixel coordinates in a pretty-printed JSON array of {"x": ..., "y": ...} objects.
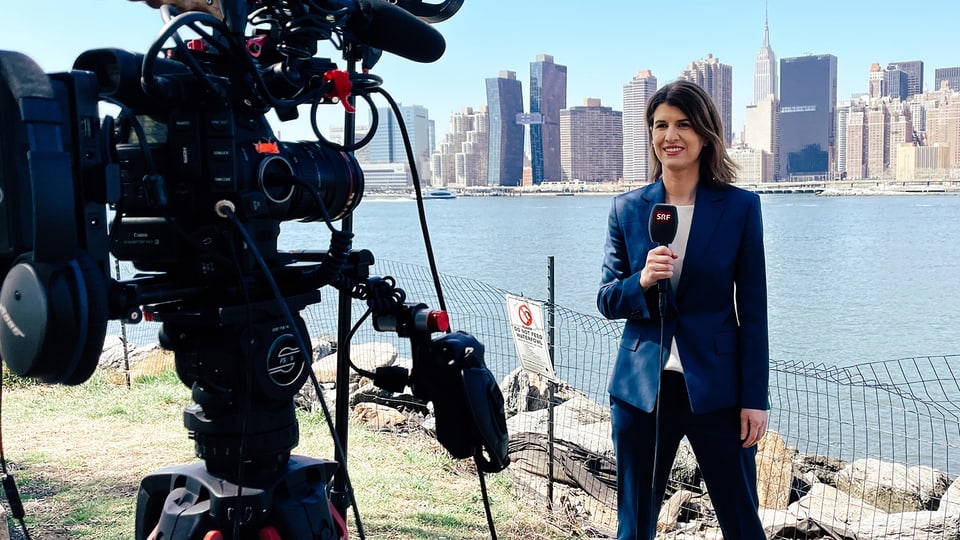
[{"x": 715, "y": 164}]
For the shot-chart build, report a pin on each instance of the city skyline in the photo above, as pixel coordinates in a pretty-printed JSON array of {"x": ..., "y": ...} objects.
[{"x": 484, "y": 38}]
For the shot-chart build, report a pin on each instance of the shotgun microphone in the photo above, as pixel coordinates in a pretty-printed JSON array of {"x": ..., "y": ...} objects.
[{"x": 383, "y": 25}]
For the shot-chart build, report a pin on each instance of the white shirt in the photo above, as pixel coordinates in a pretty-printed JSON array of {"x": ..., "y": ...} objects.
[{"x": 679, "y": 246}]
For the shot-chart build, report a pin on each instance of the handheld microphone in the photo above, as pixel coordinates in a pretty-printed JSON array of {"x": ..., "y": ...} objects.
[
  {"x": 663, "y": 223},
  {"x": 383, "y": 25},
  {"x": 663, "y": 229}
]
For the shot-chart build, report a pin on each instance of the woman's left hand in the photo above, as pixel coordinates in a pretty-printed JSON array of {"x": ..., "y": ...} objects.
[{"x": 753, "y": 425}]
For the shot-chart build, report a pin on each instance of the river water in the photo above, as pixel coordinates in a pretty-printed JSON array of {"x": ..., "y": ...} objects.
[{"x": 850, "y": 279}]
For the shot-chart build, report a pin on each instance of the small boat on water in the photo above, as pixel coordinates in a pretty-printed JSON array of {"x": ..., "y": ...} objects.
[{"x": 436, "y": 194}]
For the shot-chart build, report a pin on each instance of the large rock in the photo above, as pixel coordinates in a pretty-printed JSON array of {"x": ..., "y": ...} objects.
[
  {"x": 323, "y": 345},
  {"x": 685, "y": 471},
  {"x": 308, "y": 400},
  {"x": 524, "y": 392},
  {"x": 815, "y": 468},
  {"x": 893, "y": 487},
  {"x": 907, "y": 526},
  {"x": 4, "y": 530},
  {"x": 774, "y": 471},
  {"x": 832, "y": 507},
  {"x": 580, "y": 420},
  {"x": 950, "y": 503},
  {"x": 669, "y": 516},
  {"x": 366, "y": 356},
  {"x": 114, "y": 353},
  {"x": 378, "y": 417}
]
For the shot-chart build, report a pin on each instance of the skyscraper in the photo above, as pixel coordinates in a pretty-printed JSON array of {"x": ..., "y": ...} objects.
[
  {"x": 591, "y": 142},
  {"x": 548, "y": 95},
  {"x": 877, "y": 81},
  {"x": 636, "y": 138},
  {"x": 943, "y": 126},
  {"x": 760, "y": 122},
  {"x": 505, "y": 149},
  {"x": 856, "y": 163},
  {"x": 765, "y": 68},
  {"x": 914, "y": 72},
  {"x": 901, "y": 133},
  {"x": 877, "y": 122},
  {"x": 760, "y": 134},
  {"x": 897, "y": 83},
  {"x": 843, "y": 120},
  {"x": 461, "y": 158},
  {"x": 875, "y": 129},
  {"x": 808, "y": 98},
  {"x": 717, "y": 80},
  {"x": 387, "y": 144},
  {"x": 951, "y": 75}
]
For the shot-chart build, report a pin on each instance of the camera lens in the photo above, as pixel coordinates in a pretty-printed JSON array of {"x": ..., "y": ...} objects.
[
  {"x": 274, "y": 177},
  {"x": 335, "y": 175}
]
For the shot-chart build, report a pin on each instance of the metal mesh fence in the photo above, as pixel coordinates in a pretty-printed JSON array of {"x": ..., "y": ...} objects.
[{"x": 864, "y": 451}]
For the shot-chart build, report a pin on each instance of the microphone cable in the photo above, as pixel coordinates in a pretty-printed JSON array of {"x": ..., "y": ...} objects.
[{"x": 654, "y": 503}]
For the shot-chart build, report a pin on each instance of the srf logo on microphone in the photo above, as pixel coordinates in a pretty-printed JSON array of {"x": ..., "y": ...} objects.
[{"x": 663, "y": 217}]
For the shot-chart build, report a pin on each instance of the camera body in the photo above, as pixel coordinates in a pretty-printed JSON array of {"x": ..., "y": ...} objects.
[
  {"x": 190, "y": 139},
  {"x": 197, "y": 154}
]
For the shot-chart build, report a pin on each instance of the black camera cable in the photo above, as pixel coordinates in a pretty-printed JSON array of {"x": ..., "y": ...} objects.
[
  {"x": 151, "y": 84},
  {"x": 408, "y": 148},
  {"x": 361, "y": 85}
]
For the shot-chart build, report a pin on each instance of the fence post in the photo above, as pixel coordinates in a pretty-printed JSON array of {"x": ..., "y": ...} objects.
[
  {"x": 550, "y": 384},
  {"x": 123, "y": 332}
]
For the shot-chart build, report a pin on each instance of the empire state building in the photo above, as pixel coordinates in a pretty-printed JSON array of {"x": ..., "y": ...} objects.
[{"x": 765, "y": 69}]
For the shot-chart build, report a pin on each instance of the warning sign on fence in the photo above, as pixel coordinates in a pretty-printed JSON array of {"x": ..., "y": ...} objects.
[{"x": 529, "y": 335}]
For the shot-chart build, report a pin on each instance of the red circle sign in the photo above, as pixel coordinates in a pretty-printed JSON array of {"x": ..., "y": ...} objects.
[{"x": 526, "y": 316}]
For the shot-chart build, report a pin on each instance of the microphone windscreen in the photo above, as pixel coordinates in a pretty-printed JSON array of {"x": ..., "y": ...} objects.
[
  {"x": 385, "y": 26},
  {"x": 663, "y": 223}
]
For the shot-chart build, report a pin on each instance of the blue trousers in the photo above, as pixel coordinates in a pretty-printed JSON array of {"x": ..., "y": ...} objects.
[{"x": 728, "y": 469}]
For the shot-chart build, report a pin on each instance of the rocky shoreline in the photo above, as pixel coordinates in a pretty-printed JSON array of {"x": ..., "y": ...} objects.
[{"x": 801, "y": 496}]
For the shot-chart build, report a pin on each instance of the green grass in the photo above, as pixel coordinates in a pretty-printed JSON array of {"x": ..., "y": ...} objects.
[{"x": 78, "y": 454}]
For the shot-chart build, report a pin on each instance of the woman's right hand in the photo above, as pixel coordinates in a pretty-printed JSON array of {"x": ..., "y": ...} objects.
[{"x": 659, "y": 265}]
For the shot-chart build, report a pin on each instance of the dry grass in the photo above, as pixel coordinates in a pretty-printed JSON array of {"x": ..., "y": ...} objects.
[{"x": 79, "y": 453}]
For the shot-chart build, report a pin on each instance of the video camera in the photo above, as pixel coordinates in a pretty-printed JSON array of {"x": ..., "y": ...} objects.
[
  {"x": 191, "y": 142},
  {"x": 189, "y": 184}
]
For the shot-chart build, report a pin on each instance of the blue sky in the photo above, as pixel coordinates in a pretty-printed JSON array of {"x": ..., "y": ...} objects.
[{"x": 603, "y": 43}]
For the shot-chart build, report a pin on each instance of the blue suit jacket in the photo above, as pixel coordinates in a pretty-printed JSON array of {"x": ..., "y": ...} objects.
[{"x": 718, "y": 311}]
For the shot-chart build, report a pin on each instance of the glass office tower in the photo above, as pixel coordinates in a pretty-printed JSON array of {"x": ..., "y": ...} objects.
[
  {"x": 949, "y": 74},
  {"x": 505, "y": 153},
  {"x": 548, "y": 96},
  {"x": 808, "y": 100}
]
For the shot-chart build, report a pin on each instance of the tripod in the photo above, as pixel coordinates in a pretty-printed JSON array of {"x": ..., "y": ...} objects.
[{"x": 244, "y": 366}]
